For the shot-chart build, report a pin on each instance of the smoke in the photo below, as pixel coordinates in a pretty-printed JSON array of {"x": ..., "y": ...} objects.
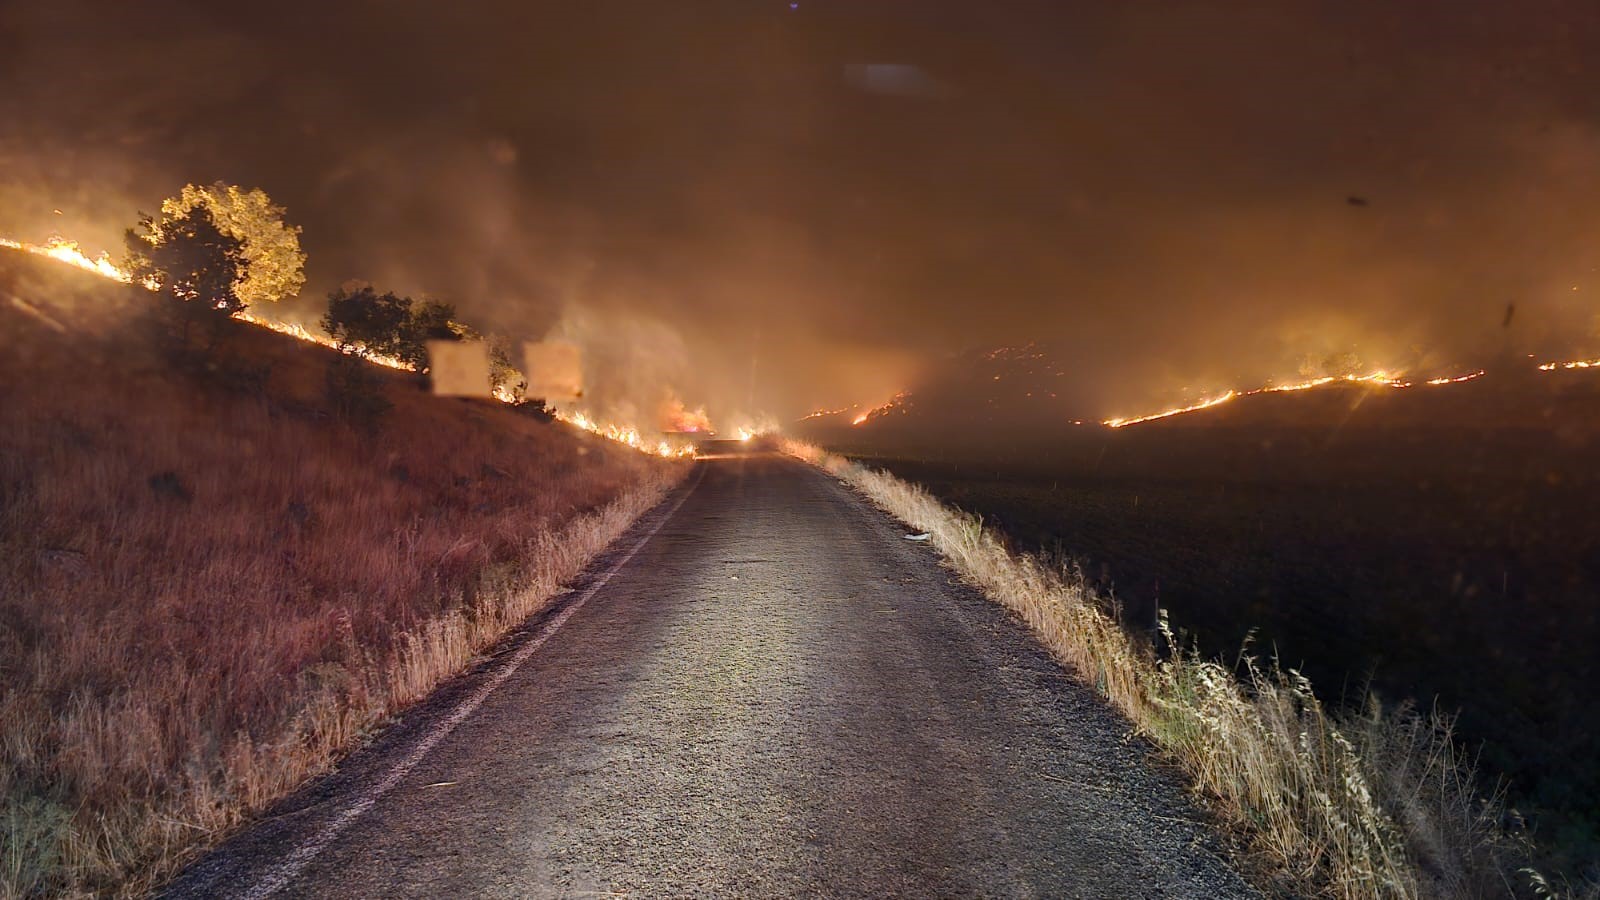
[{"x": 764, "y": 210}]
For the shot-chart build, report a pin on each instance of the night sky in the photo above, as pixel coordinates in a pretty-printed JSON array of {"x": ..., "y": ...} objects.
[{"x": 772, "y": 207}]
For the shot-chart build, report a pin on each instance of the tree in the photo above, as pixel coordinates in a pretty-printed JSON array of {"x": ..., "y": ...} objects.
[
  {"x": 367, "y": 322},
  {"x": 192, "y": 260},
  {"x": 274, "y": 265},
  {"x": 430, "y": 320},
  {"x": 373, "y": 324}
]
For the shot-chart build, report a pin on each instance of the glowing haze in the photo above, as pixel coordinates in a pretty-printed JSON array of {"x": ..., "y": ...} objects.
[{"x": 745, "y": 211}]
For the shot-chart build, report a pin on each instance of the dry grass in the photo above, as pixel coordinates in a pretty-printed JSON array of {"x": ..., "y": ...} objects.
[
  {"x": 208, "y": 594},
  {"x": 1374, "y": 804}
]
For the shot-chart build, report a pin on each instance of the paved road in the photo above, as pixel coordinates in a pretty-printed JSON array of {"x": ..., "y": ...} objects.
[{"x": 775, "y": 695}]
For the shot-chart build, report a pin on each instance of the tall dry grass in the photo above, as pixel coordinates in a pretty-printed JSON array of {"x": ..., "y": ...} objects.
[
  {"x": 208, "y": 593},
  {"x": 1375, "y": 804}
]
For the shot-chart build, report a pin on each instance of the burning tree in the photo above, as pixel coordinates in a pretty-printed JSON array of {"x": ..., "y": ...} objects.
[
  {"x": 274, "y": 265},
  {"x": 217, "y": 250}
]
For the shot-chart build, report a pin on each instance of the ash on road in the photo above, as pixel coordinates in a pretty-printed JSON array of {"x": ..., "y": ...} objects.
[{"x": 776, "y": 695}]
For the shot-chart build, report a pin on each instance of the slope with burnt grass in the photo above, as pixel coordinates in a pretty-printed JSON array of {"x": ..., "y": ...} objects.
[{"x": 212, "y": 582}]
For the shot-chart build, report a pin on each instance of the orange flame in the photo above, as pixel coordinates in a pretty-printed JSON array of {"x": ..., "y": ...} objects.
[
  {"x": 1574, "y": 364},
  {"x": 62, "y": 250},
  {"x": 1376, "y": 379},
  {"x": 881, "y": 408},
  {"x": 625, "y": 435}
]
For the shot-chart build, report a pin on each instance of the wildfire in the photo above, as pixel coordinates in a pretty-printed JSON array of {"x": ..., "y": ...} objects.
[
  {"x": 625, "y": 435},
  {"x": 68, "y": 252},
  {"x": 1376, "y": 379},
  {"x": 299, "y": 332},
  {"x": 1574, "y": 364},
  {"x": 881, "y": 409},
  {"x": 1458, "y": 379},
  {"x": 821, "y": 413},
  {"x": 1203, "y": 404}
]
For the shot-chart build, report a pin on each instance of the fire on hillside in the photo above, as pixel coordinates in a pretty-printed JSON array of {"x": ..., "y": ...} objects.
[{"x": 683, "y": 419}]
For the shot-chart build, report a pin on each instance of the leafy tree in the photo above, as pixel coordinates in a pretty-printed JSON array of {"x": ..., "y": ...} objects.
[
  {"x": 430, "y": 320},
  {"x": 193, "y": 261},
  {"x": 367, "y": 322},
  {"x": 274, "y": 265}
]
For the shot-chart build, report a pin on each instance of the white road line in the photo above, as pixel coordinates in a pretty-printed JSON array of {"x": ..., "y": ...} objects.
[{"x": 296, "y": 861}]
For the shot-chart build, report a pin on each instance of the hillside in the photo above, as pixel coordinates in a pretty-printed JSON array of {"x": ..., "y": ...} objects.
[
  {"x": 1434, "y": 543},
  {"x": 212, "y": 582}
]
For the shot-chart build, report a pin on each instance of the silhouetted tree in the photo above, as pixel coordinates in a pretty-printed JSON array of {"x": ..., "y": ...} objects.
[
  {"x": 192, "y": 261},
  {"x": 430, "y": 320},
  {"x": 367, "y": 322}
]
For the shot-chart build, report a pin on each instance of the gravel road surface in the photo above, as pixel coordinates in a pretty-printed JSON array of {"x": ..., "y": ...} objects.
[{"x": 774, "y": 694}]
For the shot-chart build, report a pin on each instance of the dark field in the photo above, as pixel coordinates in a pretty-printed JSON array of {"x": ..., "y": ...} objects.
[{"x": 1444, "y": 562}]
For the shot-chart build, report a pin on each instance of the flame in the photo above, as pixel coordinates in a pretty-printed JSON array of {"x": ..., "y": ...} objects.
[
  {"x": 881, "y": 409},
  {"x": 1458, "y": 379},
  {"x": 1574, "y": 364},
  {"x": 625, "y": 435},
  {"x": 820, "y": 413},
  {"x": 299, "y": 332},
  {"x": 1377, "y": 379},
  {"x": 1203, "y": 404},
  {"x": 63, "y": 250}
]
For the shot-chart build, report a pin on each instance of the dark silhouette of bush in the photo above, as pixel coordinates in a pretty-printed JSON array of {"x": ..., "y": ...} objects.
[
  {"x": 430, "y": 320},
  {"x": 368, "y": 323},
  {"x": 355, "y": 390}
]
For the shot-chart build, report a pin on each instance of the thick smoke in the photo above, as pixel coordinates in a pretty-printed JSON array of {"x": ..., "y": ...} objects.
[{"x": 766, "y": 209}]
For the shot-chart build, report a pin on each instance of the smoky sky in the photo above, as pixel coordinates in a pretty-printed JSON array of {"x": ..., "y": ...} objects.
[{"x": 771, "y": 207}]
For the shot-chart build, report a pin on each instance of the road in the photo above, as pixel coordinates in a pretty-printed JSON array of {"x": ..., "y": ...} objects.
[{"x": 774, "y": 694}]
